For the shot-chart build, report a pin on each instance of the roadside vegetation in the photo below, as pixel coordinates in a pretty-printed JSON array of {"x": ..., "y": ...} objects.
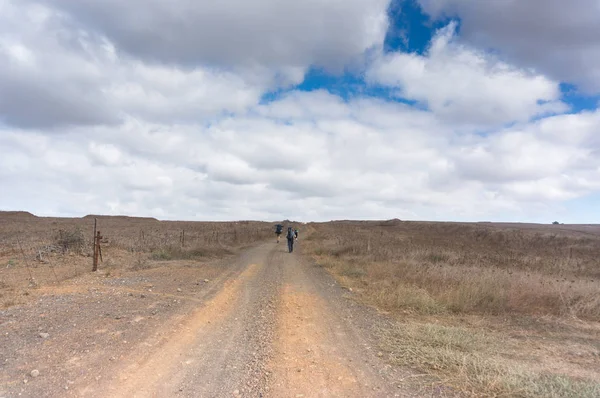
[
  {"x": 38, "y": 251},
  {"x": 481, "y": 309}
]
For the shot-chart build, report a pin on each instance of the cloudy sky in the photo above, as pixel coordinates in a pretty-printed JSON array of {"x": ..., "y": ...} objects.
[{"x": 309, "y": 110}]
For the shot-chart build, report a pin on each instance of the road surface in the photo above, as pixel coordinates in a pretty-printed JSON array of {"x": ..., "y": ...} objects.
[{"x": 274, "y": 326}]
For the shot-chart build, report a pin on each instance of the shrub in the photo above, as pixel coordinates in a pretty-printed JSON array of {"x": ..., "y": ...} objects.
[{"x": 70, "y": 240}]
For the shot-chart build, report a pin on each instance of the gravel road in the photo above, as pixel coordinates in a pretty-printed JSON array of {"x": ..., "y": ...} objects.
[{"x": 271, "y": 324}]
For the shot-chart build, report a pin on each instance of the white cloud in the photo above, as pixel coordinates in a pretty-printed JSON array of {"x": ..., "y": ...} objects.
[
  {"x": 52, "y": 75},
  {"x": 553, "y": 159},
  {"x": 105, "y": 154},
  {"x": 317, "y": 165},
  {"x": 276, "y": 33},
  {"x": 467, "y": 86},
  {"x": 555, "y": 37}
]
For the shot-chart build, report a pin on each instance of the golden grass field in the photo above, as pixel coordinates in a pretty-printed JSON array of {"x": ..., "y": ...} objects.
[
  {"x": 41, "y": 250},
  {"x": 487, "y": 309}
]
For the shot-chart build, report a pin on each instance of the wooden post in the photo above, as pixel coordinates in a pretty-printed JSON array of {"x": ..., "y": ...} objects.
[
  {"x": 97, "y": 250},
  {"x": 94, "y": 256},
  {"x": 93, "y": 236},
  {"x": 100, "y": 248}
]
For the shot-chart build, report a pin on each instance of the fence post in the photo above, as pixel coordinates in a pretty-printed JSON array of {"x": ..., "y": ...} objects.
[
  {"x": 94, "y": 257},
  {"x": 97, "y": 249},
  {"x": 93, "y": 236}
]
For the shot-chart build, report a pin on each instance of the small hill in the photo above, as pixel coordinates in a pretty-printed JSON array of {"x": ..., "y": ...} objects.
[
  {"x": 17, "y": 215},
  {"x": 391, "y": 223}
]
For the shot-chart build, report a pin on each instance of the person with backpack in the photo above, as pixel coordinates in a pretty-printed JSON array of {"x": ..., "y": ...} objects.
[
  {"x": 278, "y": 231},
  {"x": 290, "y": 239}
]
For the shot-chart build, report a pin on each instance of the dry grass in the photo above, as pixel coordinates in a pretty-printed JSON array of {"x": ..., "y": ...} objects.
[
  {"x": 465, "y": 268},
  {"x": 475, "y": 363},
  {"x": 48, "y": 250},
  {"x": 439, "y": 277}
]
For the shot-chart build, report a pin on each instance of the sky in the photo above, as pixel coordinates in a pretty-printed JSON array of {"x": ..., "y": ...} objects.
[{"x": 313, "y": 110}]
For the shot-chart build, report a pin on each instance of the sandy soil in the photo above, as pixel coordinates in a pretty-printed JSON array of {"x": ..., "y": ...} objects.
[{"x": 265, "y": 324}]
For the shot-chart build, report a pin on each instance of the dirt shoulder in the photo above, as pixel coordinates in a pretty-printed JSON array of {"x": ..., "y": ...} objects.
[{"x": 80, "y": 332}]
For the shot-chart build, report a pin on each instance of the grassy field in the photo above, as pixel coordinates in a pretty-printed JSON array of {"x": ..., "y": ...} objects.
[
  {"x": 482, "y": 309},
  {"x": 38, "y": 251}
]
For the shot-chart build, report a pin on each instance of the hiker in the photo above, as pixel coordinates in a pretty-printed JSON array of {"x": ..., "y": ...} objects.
[
  {"x": 278, "y": 231},
  {"x": 290, "y": 238},
  {"x": 296, "y": 233}
]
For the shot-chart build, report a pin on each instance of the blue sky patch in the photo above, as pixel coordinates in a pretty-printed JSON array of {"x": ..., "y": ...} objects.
[
  {"x": 410, "y": 29},
  {"x": 347, "y": 86},
  {"x": 578, "y": 101}
]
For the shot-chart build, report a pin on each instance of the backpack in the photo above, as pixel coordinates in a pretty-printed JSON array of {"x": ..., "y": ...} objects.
[
  {"x": 278, "y": 228},
  {"x": 290, "y": 233}
]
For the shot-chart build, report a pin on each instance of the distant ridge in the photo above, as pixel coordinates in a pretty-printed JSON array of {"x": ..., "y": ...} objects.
[
  {"x": 391, "y": 223},
  {"x": 24, "y": 215},
  {"x": 17, "y": 214},
  {"x": 130, "y": 218}
]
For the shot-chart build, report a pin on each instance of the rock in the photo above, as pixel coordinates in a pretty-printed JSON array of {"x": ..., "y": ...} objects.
[
  {"x": 142, "y": 296},
  {"x": 380, "y": 354},
  {"x": 236, "y": 392},
  {"x": 44, "y": 335},
  {"x": 179, "y": 289},
  {"x": 35, "y": 373},
  {"x": 206, "y": 281}
]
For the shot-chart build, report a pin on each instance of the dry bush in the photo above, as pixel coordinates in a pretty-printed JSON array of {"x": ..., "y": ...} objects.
[
  {"x": 474, "y": 363},
  {"x": 435, "y": 267},
  {"x": 72, "y": 240}
]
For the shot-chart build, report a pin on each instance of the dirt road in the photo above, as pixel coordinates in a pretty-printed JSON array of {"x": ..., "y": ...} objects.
[{"x": 272, "y": 325}]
